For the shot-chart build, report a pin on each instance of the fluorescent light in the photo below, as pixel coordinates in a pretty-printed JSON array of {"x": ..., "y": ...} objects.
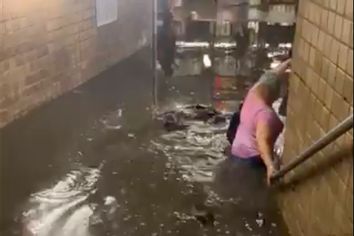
[
  {"x": 183, "y": 44},
  {"x": 225, "y": 45},
  {"x": 285, "y": 45},
  {"x": 192, "y": 44},
  {"x": 285, "y": 24}
]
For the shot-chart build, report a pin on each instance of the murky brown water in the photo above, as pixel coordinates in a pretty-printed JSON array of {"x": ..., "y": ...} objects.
[{"x": 98, "y": 161}]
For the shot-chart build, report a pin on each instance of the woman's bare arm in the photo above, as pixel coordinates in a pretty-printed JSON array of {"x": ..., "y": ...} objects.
[
  {"x": 281, "y": 69},
  {"x": 265, "y": 146}
]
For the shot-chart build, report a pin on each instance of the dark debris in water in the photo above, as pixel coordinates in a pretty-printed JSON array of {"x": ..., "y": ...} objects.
[
  {"x": 204, "y": 215},
  {"x": 178, "y": 119}
]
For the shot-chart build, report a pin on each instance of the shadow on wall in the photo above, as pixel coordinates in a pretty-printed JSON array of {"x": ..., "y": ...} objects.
[{"x": 310, "y": 171}]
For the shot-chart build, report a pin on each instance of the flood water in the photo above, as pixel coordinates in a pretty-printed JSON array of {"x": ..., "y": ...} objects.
[{"x": 100, "y": 160}]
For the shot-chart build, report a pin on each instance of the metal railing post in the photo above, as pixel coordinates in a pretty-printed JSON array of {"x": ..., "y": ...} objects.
[{"x": 154, "y": 52}]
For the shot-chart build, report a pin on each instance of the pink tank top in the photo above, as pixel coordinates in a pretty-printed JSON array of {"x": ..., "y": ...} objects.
[{"x": 254, "y": 111}]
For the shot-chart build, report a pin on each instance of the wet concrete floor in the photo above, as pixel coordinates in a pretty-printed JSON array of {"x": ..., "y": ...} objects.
[{"x": 97, "y": 162}]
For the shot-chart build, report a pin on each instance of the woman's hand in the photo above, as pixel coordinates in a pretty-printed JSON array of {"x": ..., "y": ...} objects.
[
  {"x": 283, "y": 67},
  {"x": 270, "y": 172}
]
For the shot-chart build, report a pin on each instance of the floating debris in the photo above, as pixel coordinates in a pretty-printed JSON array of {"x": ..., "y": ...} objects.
[
  {"x": 89, "y": 139},
  {"x": 183, "y": 217},
  {"x": 111, "y": 207},
  {"x": 260, "y": 222},
  {"x": 248, "y": 227},
  {"x": 194, "y": 143}
]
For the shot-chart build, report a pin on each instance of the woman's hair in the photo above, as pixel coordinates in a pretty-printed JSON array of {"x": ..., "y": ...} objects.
[{"x": 272, "y": 82}]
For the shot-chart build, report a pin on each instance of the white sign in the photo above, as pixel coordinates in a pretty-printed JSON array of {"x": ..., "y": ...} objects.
[{"x": 106, "y": 11}]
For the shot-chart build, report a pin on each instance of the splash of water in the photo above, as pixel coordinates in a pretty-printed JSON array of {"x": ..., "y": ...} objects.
[
  {"x": 113, "y": 120},
  {"x": 195, "y": 150},
  {"x": 63, "y": 209}
]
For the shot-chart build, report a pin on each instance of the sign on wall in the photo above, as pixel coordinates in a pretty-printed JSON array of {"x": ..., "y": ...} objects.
[{"x": 106, "y": 11}]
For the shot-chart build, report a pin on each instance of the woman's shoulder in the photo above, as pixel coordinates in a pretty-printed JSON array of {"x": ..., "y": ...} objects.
[{"x": 267, "y": 114}]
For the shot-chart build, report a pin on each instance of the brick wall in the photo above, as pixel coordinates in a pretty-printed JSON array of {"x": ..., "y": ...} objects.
[
  {"x": 50, "y": 47},
  {"x": 319, "y": 200}
]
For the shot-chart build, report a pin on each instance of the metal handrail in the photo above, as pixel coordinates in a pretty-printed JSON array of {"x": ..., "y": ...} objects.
[
  {"x": 154, "y": 50},
  {"x": 323, "y": 142}
]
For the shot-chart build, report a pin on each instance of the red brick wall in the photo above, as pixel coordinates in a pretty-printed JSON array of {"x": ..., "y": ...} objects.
[
  {"x": 48, "y": 47},
  {"x": 320, "y": 201}
]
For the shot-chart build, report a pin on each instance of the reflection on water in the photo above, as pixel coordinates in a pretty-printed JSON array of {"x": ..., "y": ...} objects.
[
  {"x": 63, "y": 209},
  {"x": 112, "y": 121},
  {"x": 197, "y": 148},
  {"x": 226, "y": 66},
  {"x": 189, "y": 66},
  {"x": 186, "y": 166}
]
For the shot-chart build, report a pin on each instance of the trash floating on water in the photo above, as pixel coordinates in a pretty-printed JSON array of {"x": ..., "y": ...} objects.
[
  {"x": 127, "y": 218},
  {"x": 109, "y": 200},
  {"x": 89, "y": 139},
  {"x": 260, "y": 222},
  {"x": 183, "y": 217},
  {"x": 131, "y": 135},
  {"x": 196, "y": 144},
  {"x": 111, "y": 207},
  {"x": 248, "y": 227}
]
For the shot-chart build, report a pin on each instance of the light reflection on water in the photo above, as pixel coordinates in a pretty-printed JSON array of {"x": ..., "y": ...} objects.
[
  {"x": 65, "y": 208},
  {"x": 196, "y": 150}
]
